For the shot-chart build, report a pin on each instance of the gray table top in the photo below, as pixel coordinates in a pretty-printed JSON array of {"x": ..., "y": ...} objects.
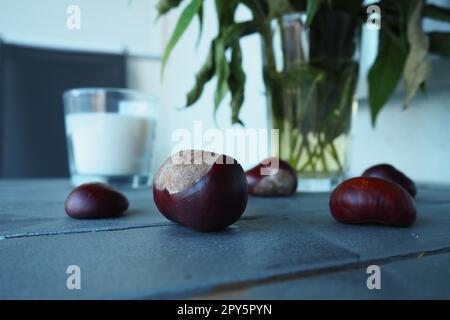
[{"x": 282, "y": 248}]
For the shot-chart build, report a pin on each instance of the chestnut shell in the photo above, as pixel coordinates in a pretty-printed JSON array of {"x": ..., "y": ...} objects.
[
  {"x": 95, "y": 201},
  {"x": 257, "y": 186},
  {"x": 389, "y": 172},
  {"x": 372, "y": 200},
  {"x": 212, "y": 203}
]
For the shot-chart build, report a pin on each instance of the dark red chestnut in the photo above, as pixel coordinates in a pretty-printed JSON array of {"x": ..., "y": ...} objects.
[
  {"x": 272, "y": 177},
  {"x": 201, "y": 190},
  {"x": 372, "y": 200},
  {"x": 388, "y": 172},
  {"x": 95, "y": 201}
]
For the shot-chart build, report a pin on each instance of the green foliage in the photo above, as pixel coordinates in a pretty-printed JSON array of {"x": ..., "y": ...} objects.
[
  {"x": 385, "y": 74},
  {"x": 402, "y": 52},
  {"x": 417, "y": 67},
  {"x": 236, "y": 82},
  {"x": 222, "y": 73},
  {"x": 200, "y": 22},
  {"x": 203, "y": 76}
]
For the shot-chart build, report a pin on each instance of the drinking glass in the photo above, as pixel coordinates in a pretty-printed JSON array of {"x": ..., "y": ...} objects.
[{"x": 110, "y": 136}]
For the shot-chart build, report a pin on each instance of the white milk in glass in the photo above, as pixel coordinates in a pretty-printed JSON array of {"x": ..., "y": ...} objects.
[{"x": 110, "y": 144}]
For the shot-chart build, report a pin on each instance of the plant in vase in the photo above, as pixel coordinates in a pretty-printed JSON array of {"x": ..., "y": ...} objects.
[{"x": 311, "y": 67}]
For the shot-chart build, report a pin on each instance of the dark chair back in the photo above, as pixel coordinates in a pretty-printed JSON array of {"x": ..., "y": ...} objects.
[{"x": 32, "y": 80}]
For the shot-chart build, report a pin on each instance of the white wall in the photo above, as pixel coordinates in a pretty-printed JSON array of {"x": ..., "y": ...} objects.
[
  {"x": 105, "y": 25},
  {"x": 416, "y": 140}
]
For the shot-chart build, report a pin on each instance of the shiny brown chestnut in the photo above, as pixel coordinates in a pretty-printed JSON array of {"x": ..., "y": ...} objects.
[
  {"x": 372, "y": 200},
  {"x": 201, "y": 190},
  {"x": 271, "y": 178},
  {"x": 388, "y": 172},
  {"x": 95, "y": 201}
]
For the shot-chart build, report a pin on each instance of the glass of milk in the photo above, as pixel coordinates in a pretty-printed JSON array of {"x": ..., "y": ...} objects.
[{"x": 110, "y": 136}]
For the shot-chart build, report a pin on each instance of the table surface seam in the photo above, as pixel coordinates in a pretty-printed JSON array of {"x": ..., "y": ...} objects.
[{"x": 296, "y": 275}]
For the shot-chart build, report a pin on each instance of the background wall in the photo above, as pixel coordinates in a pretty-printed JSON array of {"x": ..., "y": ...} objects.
[{"x": 415, "y": 140}]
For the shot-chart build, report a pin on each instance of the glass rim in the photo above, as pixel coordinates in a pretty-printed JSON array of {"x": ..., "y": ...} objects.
[{"x": 78, "y": 92}]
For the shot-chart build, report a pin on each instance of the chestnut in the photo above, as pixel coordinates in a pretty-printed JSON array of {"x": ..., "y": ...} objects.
[
  {"x": 272, "y": 177},
  {"x": 95, "y": 201},
  {"x": 388, "y": 172},
  {"x": 202, "y": 190},
  {"x": 372, "y": 200}
]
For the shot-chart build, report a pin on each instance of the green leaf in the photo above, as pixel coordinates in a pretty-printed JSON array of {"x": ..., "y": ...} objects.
[
  {"x": 384, "y": 74},
  {"x": 311, "y": 9},
  {"x": 200, "y": 21},
  {"x": 225, "y": 12},
  {"x": 185, "y": 19},
  {"x": 440, "y": 43},
  {"x": 417, "y": 67},
  {"x": 208, "y": 70},
  {"x": 236, "y": 82},
  {"x": 237, "y": 30},
  {"x": 222, "y": 73},
  {"x": 202, "y": 77}
]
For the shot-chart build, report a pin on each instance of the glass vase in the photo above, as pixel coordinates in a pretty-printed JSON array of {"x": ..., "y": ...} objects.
[{"x": 310, "y": 76}]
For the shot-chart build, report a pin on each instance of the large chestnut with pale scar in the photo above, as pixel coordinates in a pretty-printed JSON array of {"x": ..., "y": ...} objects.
[
  {"x": 388, "y": 172},
  {"x": 95, "y": 201},
  {"x": 201, "y": 190},
  {"x": 372, "y": 200},
  {"x": 271, "y": 178}
]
